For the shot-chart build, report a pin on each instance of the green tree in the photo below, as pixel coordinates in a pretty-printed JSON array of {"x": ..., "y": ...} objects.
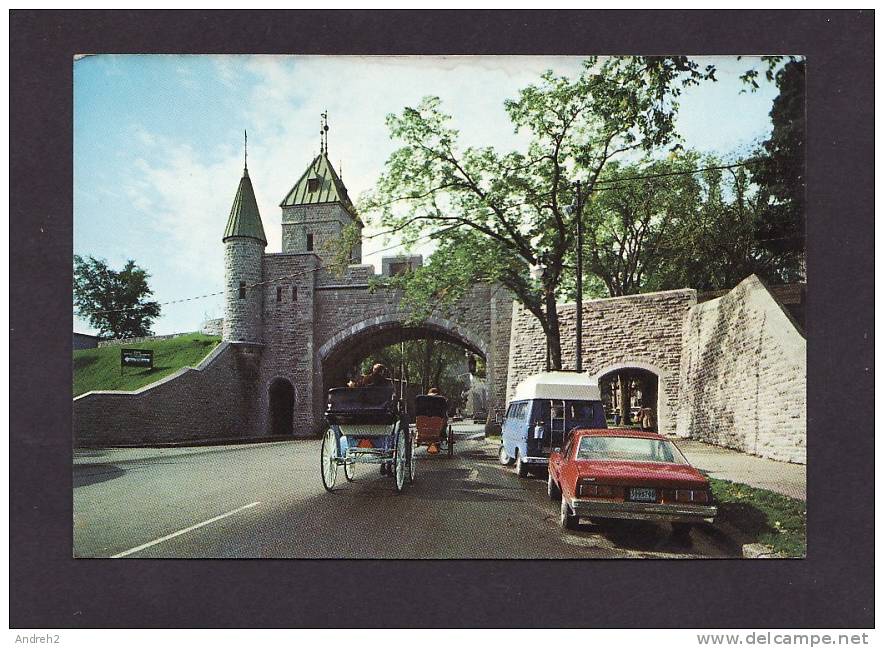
[
  {"x": 114, "y": 302},
  {"x": 632, "y": 220},
  {"x": 427, "y": 363},
  {"x": 711, "y": 245},
  {"x": 780, "y": 172},
  {"x": 495, "y": 215}
]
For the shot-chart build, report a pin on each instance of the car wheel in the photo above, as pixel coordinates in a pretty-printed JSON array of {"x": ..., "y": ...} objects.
[
  {"x": 503, "y": 457},
  {"x": 566, "y": 518},
  {"x": 521, "y": 466},
  {"x": 551, "y": 489}
]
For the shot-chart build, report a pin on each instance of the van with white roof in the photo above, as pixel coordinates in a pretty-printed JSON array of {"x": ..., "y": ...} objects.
[{"x": 542, "y": 413}]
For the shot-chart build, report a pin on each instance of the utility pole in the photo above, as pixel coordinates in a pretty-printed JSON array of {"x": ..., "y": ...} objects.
[{"x": 579, "y": 319}]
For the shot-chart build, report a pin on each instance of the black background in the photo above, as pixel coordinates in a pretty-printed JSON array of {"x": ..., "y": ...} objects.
[{"x": 832, "y": 587}]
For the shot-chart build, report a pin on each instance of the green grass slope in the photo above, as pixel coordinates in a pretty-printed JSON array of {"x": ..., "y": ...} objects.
[{"x": 99, "y": 369}]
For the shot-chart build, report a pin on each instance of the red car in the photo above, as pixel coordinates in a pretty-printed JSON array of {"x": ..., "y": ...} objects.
[{"x": 627, "y": 474}]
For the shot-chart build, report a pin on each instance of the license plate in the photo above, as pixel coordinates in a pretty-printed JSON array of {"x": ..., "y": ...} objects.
[{"x": 643, "y": 494}]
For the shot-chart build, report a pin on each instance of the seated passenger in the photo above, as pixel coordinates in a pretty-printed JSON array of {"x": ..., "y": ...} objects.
[{"x": 378, "y": 376}]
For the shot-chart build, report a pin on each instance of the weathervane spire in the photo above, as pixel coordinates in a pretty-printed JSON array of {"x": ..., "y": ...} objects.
[
  {"x": 323, "y": 133},
  {"x": 246, "y": 152}
]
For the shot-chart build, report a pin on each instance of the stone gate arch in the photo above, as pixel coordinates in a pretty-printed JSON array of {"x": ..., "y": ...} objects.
[{"x": 354, "y": 341}]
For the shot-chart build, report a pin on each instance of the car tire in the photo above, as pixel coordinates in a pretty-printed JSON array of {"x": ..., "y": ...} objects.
[
  {"x": 551, "y": 488},
  {"x": 567, "y": 519},
  {"x": 521, "y": 466},
  {"x": 503, "y": 457}
]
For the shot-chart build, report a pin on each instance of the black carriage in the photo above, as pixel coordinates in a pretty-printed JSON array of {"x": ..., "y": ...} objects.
[{"x": 366, "y": 427}]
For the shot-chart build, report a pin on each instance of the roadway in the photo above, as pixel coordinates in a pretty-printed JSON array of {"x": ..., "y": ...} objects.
[{"x": 266, "y": 500}]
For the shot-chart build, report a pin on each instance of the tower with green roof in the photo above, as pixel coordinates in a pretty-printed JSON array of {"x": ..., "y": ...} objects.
[
  {"x": 317, "y": 209},
  {"x": 244, "y": 243}
]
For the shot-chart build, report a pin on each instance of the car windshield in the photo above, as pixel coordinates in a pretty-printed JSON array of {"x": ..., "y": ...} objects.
[{"x": 609, "y": 448}]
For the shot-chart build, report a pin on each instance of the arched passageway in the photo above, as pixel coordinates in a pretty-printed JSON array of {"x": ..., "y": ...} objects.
[
  {"x": 631, "y": 397},
  {"x": 282, "y": 406},
  {"x": 341, "y": 358}
]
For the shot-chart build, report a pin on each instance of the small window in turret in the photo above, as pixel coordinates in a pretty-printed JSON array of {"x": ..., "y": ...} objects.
[
  {"x": 279, "y": 293},
  {"x": 309, "y": 242},
  {"x": 312, "y": 184},
  {"x": 294, "y": 293},
  {"x": 242, "y": 289}
]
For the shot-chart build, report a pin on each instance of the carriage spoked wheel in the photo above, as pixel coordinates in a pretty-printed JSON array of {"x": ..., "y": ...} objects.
[
  {"x": 329, "y": 460},
  {"x": 400, "y": 461},
  {"x": 450, "y": 442},
  {"x": 412, "y": 461},
  {"x": 350, "y": 470}
]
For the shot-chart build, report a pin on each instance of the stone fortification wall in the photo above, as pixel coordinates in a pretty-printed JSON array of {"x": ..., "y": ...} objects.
[
  {"x": 212, "y": 401},
  {"x": 743, "y": 375},
  {"x": 640, "y": 331}
]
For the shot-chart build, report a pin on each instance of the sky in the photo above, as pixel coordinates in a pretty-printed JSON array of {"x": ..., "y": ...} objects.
[{"x": 158, "y": 144}]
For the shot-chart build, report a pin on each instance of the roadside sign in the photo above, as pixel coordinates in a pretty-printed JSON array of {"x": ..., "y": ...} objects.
[{"x": 136, "y": 358}]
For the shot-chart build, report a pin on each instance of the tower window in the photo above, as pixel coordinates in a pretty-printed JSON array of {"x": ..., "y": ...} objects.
[
  {"x": 242, "y": 289},
  {"x": 399, "y": 268},
  {"x": 279, "y": 293},
  {"x": 309, "y": 242},
  {"x": 312, "y": 184},
  {"x": 294, "y": 293}
]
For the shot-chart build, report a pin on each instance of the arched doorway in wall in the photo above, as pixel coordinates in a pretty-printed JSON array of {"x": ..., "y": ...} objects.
[
  {"x": 631, "y": 395},
  {"x": 282, "y": 405}
]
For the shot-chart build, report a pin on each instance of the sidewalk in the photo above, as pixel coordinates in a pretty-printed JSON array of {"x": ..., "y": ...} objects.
[{"x": 723, "y": 463}]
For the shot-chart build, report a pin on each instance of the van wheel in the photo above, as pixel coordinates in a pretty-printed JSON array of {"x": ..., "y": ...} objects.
[
  {"x": 521, "y": 466},
  {"x": 566, "y": 518},
  {"x": 503, "y": 457}
]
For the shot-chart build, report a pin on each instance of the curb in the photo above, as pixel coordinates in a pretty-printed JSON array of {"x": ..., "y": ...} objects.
[
  {"x": 198, "y": 443},
  {"x": 759, "y": 550}
]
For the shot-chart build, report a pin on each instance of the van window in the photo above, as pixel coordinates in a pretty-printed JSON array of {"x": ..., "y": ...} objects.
[{"x": 518, "y": 411}]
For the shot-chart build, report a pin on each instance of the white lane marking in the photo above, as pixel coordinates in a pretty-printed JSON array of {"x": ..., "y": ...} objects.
[{"x": 183, "y": 531}]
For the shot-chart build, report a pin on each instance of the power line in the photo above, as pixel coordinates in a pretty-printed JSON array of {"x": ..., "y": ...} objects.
[
  {"x": 649, "y": 176},
  {"x": 262, "y": 283}
]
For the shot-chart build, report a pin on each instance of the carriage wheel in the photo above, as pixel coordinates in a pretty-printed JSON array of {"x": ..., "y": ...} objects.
[
  {"x": 329, "y": 460},
  {"x": 412, "y": 462},
  {"x": 400, "y": 461},
  {"x": 450, "y": 442}
]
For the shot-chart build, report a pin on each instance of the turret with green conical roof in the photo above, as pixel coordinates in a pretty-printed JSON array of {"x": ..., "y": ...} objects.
[{"x": 244, "y": 243}]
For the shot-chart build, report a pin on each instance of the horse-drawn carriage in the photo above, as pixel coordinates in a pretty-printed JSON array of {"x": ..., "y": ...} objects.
[
  {"x": 366, "y": 427},
  {"x": 431, "y": 423}
]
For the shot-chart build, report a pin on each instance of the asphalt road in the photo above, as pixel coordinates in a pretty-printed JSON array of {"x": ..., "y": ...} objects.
[{"x": 267, "y": 501}]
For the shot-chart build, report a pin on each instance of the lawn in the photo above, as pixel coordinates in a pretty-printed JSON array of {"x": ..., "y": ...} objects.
[
  {"x": 763, "y": 516},
  {"x": 99, "y": 369}
]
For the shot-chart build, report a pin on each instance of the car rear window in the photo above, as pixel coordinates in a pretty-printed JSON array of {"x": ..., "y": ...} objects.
[{"x": 605, "y": 448}]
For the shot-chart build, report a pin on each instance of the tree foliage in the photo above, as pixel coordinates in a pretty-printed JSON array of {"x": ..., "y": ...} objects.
[
  {"x": 427, "y": 363},
  {"x": 780, "y": 170},
  {"x": 689, "y": 221},
  {"x": 114, "y": 302},
  {"x": 495, "y": 215}
]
